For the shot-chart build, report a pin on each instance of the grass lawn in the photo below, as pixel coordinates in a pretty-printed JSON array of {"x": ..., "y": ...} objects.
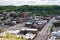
[{"x": 12, "y": 37}]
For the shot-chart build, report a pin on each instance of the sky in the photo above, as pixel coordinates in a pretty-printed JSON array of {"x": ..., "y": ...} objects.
[{"x": 29, "y": 2}]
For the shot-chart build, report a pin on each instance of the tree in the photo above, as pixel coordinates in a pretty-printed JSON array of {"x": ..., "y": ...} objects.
[
  {"x": 7, "y": 35},
  {"x": 4, "y": 18}
]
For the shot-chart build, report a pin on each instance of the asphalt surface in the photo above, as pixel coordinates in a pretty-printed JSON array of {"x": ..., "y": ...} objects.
[{"x": 42, "y": 35}]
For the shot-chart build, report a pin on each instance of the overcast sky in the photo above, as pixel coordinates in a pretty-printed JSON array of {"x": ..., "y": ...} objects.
[{"x": 29, "y": 2}]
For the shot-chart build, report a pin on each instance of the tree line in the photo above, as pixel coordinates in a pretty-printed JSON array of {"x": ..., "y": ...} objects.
[{"x": 38, "y": 10}]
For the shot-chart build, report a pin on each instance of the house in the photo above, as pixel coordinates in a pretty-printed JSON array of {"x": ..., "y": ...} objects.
[
  {"x": 57, "y": 18},
  {"x": 0, "y": 22},
  {"x": 28, "y": 24},
  {"x": 20, "y": 20},
  {"x": 12, "y": 19},
  {"x": 46, "y": 18},
  {"x": 56, "y": 33},
  {"x": 12, "y": 23},
  {"x": 6, "y": 14},
  {"x": 6, "y": 23},
  {"x": 1, "y": 15}
]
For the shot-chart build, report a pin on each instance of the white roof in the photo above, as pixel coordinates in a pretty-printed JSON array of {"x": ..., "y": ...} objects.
[
  {"x": 58, "y": 31},
  {"x": 13, "y": 31},
  {"x": 36, "y": 19},
  {"x": 30, "y": 35},
  {"x": 58, "y": 16},
  {"x": 28, "y": 22},
  {"x": 14, "y": 21},
  {"x": 40, "y": 23},
  {"x": 54, "y": 32},
  {"x": 30, "y": 29}
]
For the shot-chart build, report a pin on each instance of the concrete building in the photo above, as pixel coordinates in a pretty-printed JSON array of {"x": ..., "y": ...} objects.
[{"x": 26, "y": 14}]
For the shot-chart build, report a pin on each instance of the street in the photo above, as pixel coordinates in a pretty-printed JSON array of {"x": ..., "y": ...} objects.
[{"x": 42, "y": 35}]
